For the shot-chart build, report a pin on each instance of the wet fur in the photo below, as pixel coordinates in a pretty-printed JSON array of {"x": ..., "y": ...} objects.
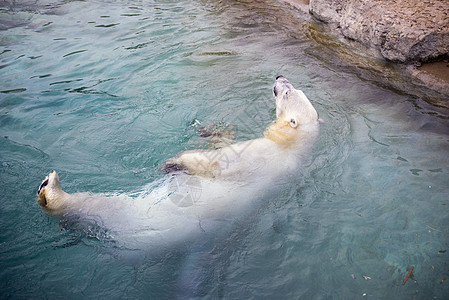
[{"x": 230, "y": 180}]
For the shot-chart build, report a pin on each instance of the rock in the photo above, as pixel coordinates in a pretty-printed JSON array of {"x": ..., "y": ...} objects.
[
  {"x": 407, "y": 31},
  {"x": 433, "y": 75}
]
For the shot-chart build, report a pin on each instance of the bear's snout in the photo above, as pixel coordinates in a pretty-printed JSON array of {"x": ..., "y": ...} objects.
[{"x": 280, "y": 84}]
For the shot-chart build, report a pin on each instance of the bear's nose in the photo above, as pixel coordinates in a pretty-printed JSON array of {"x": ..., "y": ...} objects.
[{"x": 280, "y": 76}]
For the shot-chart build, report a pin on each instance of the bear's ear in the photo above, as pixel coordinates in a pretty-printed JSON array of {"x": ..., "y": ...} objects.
[{"x": 293, "y": 123}]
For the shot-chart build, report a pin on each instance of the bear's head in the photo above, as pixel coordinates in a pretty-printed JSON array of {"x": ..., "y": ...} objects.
[
  {"x": 295, "y": 115},
  {"x": 50, "y": 195},
  {"x": 292, "y": 105}
]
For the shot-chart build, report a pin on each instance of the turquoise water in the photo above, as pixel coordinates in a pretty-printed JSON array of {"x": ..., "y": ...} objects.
[{"x": 105, "y": 91}]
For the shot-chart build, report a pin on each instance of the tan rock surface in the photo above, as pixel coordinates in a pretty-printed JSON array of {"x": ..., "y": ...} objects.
[{"x": 402, "y": 30}]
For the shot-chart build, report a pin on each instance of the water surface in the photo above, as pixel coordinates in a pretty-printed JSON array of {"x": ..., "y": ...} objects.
[{"x": 105, "y": 91}]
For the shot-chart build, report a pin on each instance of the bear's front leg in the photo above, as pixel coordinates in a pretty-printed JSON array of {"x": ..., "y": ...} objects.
[{"x": 194, "y": 163}]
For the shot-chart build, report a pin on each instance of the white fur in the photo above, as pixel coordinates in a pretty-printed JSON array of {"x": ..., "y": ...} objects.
[{"x": 216, "y": 185}]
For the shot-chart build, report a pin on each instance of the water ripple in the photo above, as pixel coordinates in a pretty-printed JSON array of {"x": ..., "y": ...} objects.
[
  {"x": 106, "y": 91},
  {"x": 74, "y": 52},
  {"x": 18, "y": 90}
]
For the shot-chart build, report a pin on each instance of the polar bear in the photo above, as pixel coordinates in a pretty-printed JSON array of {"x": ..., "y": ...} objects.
[
  {"x": 201, "y": 187},
  {"x": 295, "y": 128}
]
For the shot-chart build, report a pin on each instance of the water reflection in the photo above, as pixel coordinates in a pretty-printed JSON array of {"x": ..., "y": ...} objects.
[{"x": 105, "y": 106}]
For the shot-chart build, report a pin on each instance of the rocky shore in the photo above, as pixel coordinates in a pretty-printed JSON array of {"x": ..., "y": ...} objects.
[
  {"x": 402, "y": 30},
  {"x": 411, "y": 33}
]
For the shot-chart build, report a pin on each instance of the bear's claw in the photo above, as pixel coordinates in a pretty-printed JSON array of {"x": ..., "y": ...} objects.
[{"x": 172, "y": 167}]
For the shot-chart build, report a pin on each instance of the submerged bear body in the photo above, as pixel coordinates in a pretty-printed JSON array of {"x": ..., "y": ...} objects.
[{"x": 203, "y": 188}]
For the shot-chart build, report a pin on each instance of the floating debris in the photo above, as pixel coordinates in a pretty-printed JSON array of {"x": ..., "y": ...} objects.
[
  {"x": 432, "y": 228},
  {"x": 408, "y": 275},
  {"x": 442, "y": 251},
  {"x": 442, "y": 280},
  {"x": 366, "y": 277}
]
